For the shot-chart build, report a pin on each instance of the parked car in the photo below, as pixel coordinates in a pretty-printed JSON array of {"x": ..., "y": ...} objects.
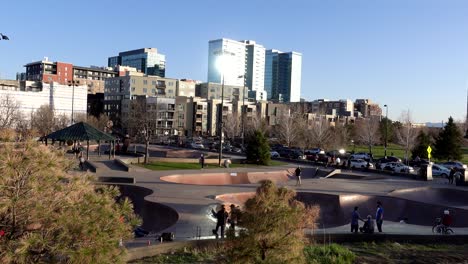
[
  {"x": 314, "y": 151},
  {"x": 274, "y": 154},
  {"x": 197, "y": 145},
  {"x": 418, "y": 162},
  {"x": 359, "y": 163},
  {"x": 360, "y": 155},
  {"x": 380, "y": 164},
  {"x": 454, "y": 164},
  {"x": 398, "y": 167},
  {"x": 296, "y": 154},
  {"x": 441, "y": 171}
]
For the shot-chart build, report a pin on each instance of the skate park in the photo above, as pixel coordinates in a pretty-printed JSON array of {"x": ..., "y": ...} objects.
[{"x": 180, "y": 201}]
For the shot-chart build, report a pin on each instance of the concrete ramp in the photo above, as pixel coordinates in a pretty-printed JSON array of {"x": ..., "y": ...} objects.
[
  {"x": 442, "y": 196},
  {"x": 228, "y": 178},
  {"x": 335, "y": 210}
]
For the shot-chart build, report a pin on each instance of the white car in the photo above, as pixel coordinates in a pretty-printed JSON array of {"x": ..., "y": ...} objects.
[
  {"x": 398, "y": 167},
  {"x": 438, "y": 170},
  {"x": 359, "y": 163},
  {"x": 197, "y": 145},
  {"x": 274, "y": 154},
  {"x": 361, "y": 155}
]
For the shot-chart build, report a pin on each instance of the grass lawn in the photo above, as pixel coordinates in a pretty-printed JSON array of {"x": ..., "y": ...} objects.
[
  {"x": 408, "y": 253},
  {"x": 195, "y": 166},
  {"x": 397, "y": 151}
]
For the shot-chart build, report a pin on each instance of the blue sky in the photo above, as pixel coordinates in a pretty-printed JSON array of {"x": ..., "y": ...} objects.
[{"x": 407, "y": 54}]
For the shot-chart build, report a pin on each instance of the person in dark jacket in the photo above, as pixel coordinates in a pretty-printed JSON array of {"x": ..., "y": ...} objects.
[
  {"x": 221, "y": 217},
  {"x": 298, "y": 176}
]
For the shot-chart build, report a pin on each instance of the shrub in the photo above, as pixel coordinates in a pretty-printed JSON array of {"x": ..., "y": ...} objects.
[{"x": 325, "y": 254}]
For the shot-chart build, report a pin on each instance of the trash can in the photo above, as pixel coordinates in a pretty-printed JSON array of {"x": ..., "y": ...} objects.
[
  {"x": 462, "y": 180},
  {"x": 426, "y": 172}
]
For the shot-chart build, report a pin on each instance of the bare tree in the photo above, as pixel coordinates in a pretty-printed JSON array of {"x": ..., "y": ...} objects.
[
  {"x": 61, "y": 121},
  {"x": 232, "y": 126},
  {"x": 43, "y": 120},
  {"x": 140, "y": 122},
  {"x": 339, "y": 135},
  {"x": 287, "y": 128},
  {"x": 9, "y": 111},
  {"x": 407, "y": 134},
  {"x": 367, "y": 131},
  {"x": 319, "y": 132},
  {"x": 254, "y": 123}
]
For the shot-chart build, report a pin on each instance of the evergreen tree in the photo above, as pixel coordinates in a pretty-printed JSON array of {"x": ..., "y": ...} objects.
[
  {"x": 422, "y": 142},
  {"x": 272, "y": 225},
  {"x": 258, "y": 150},
  {"x": 449, "y": 142},
  {"x": 49, "y": 216}
]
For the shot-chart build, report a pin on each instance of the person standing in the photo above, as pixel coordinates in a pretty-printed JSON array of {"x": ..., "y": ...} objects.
[
  {"x": 221, "y": 217},
  {"x": 355, "y": 217},
  {"x": 202, "y": 160},
  {"x": 451, "y": 175},
  {"x": 379, "y": 216},
  {"x": 298, "y": 176}
]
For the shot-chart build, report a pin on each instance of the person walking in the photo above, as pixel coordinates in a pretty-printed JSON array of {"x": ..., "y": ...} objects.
[
  {"x": 82, "y": 161},
  {"x": 355, "y": 217},
  {"x": 298, "y": 176},
  {"x": 221, "y": 217},
  {"x": 202, "y": 161},
  {"x": 451, "y": 175},
  {"x": 379, "y": 216},
  {"x": 234, "y": 215}
]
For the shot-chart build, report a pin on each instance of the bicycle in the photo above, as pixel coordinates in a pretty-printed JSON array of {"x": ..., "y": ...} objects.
[{"x": 439, "y": 228}]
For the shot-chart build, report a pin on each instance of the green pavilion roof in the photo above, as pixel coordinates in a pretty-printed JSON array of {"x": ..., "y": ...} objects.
[{"x": 79, "y": 131}]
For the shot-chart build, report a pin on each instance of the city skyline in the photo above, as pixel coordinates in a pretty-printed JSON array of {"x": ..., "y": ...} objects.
[{"x": 406, "y": 55}]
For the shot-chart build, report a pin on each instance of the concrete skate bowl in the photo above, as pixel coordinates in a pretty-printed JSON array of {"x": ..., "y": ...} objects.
[
  {"x": 441, "y": 196},
  {"x": 228, "y": 178},
  {"x": 156, "y": 217},
  {"x": 335, "y": 210}
]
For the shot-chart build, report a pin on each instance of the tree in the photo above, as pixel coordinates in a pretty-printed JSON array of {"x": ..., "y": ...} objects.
[
  {"x": 50, "y": 216},
  {"x": 232, "y": 126},
  {"x": 339, "y": 135},
  {"x": 43, "y": 120},
  {"x": 258, "y": 150},
  {"x": 367, "y": 131},
  {"x": 272, "y": 225},
  {"x": 319, "y": 132},
  {"x": 9, "y": 111},
  {"x": 423, "y": 140},
  {"x": 287, "y": 127},
  {"x": 140, "y": 122},
  {"x": 406, "y": 134},
  {"x": 449, "y": 142},
  {"x": 391, "y": 127}
]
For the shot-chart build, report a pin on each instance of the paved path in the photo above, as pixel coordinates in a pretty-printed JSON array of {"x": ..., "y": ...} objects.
[{"x": 194, "y": 202}]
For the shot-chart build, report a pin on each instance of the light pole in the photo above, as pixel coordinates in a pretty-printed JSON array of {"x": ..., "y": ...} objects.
[
  {"x": 221, "y": 123},
  {"x": 73, "y": 83},
  {"x": 386, "y": 129},
  {"x": 243, "y": 113}
]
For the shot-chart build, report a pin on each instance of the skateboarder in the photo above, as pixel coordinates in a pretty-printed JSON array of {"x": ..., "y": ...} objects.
[{"x": 221, "y": 217}]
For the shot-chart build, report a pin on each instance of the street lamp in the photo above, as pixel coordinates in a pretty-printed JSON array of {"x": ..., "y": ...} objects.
[
  {"x": 243, "y": 112},
  {"x": 386, "y": 130},
  {"x": 73, "y": 83},
  {"x": 222, "y": 65}
]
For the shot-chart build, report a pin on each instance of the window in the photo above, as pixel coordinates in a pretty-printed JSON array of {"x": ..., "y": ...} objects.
[
  {"x": 153, "y": 82},
  {"x": 133, "y": 89},
  {"x": 145, "y": 90},
  {"x": 145, "y": 81}
]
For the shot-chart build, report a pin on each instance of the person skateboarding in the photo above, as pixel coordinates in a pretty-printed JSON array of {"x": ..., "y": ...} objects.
[{"x": 221, "y": 217}]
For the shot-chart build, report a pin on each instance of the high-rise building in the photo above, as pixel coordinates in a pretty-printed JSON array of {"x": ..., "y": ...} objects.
[
  {"x": 244, "y": 65},
  {"x": 146, "y": 60},
  {"x": 283, "y": 75}
]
